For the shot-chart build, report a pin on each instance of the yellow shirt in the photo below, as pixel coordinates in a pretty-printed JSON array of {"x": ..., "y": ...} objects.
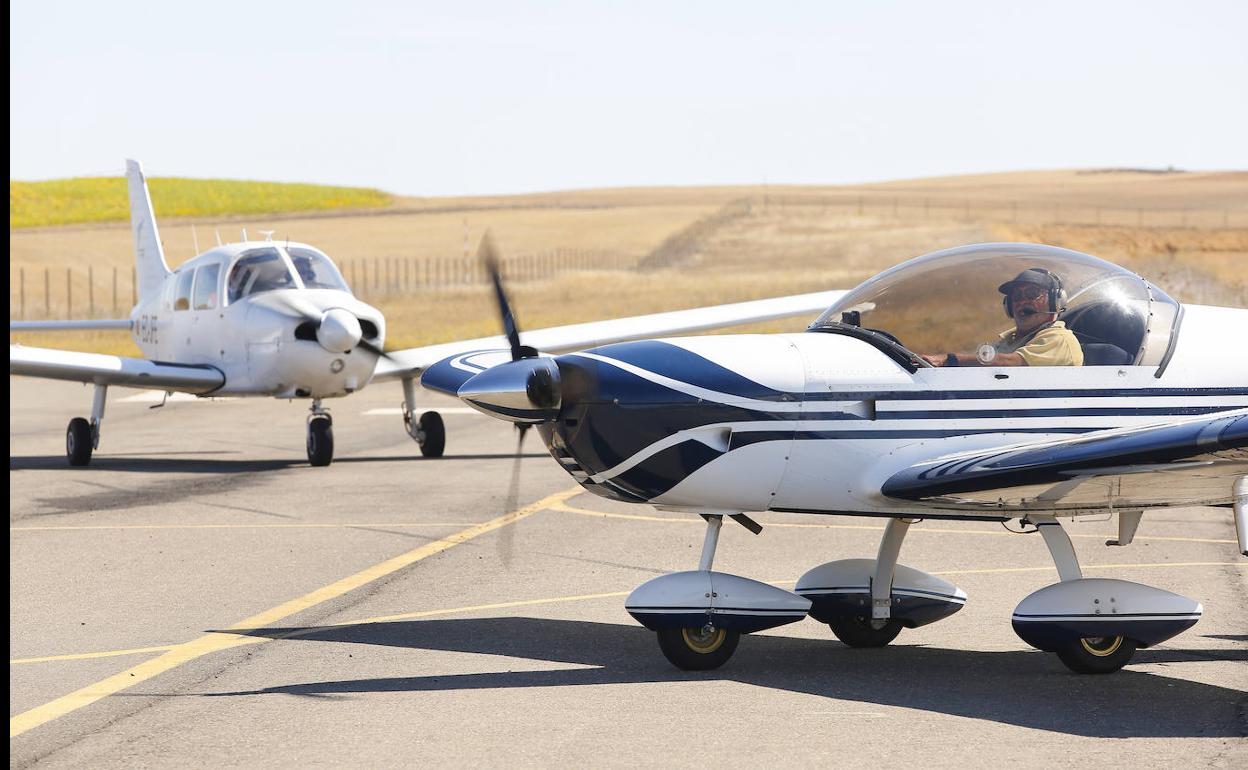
[{"x": 1053, "y": 345}]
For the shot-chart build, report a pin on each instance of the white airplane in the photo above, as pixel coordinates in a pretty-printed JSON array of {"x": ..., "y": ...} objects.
[
  {"x": 850, "y": 419},
  {"x": 277, "y": 319}
]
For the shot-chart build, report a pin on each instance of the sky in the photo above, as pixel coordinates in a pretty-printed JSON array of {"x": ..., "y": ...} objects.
[{"x": 453, "y": 98}]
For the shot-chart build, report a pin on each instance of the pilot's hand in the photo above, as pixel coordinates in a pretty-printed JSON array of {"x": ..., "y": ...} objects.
[{"x": 934, "y": 360}]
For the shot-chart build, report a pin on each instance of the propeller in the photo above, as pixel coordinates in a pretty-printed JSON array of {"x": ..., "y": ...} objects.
[
  {"x": 337, "y": 330},
  {"x": 528, "y": 383},
  {"x": 525, "y": 390},
  {"x": 488, "y": 254}
]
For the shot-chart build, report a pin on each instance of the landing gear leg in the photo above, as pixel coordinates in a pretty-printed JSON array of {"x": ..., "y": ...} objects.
[
  {"x": 428, "y": 431},
  {"x": 705, "y": 647},
  {"x": 82, "y": 437},
  {"x": 881, "y": 628},
  {"x": 1089, "y": 654},
  {"x": 320, "y": 436},
  {"x": 1241, "y": 513}
]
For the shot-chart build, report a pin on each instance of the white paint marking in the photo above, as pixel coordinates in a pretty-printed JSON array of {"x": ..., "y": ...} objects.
[{"x": 394, "y": 410}]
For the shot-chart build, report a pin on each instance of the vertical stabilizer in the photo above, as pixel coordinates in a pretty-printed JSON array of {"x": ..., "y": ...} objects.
[{"x": 149, "y": 258}]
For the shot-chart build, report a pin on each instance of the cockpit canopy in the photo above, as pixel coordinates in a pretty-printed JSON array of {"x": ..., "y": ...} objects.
[
  {"x": 949, "y": 301},
  {"x": 272, "y": 268}
]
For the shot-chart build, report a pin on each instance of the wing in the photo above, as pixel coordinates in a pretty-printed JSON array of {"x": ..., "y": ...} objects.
[
  {"x": 1188, "y": 462},
  {"x": 113, "y": 370},
  {"x": 561, "y": 339}
]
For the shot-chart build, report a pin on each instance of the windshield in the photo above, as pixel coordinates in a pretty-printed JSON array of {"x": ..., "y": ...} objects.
[
  {"x": 315, "y": 269},
  {"x": 952, "y": 300},
  {"x": 260, "y": 270}
]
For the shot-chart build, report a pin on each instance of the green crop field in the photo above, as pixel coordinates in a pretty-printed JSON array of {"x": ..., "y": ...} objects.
[{"x": 103, "y": 199}]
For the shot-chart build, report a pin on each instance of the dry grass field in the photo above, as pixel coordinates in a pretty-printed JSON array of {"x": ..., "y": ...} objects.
[{"x": 713, "y": 245}]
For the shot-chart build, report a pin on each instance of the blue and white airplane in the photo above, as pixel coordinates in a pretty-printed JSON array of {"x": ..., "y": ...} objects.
[
  {"x": 852, "y": 418},
  {"x": 277, "y": 320}
]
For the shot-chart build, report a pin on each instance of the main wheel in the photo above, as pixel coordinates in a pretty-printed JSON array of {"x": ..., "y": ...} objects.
[
  {"x": 698, "y": 649},
  {"x": 1097, "y": 654},
  {"x": 856, "y": 631},
  {"x": 320, "y": 442},
  {"x": 433, "y": 433},
  {"x": 78, "y": 441}
]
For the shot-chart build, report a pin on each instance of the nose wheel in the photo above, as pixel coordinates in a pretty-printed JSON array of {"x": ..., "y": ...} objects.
[{"x": 320, "y": 436}]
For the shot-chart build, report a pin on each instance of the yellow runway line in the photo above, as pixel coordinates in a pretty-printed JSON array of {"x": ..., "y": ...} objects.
[
  {"x": 88, "y": 655},
  {"x": 693, "y": 519},
  {"x": 215, "y": 642}
]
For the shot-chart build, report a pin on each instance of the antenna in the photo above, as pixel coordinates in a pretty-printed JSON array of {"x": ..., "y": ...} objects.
[
  {"x": 194, "y": 238},
  {"x": 218, "y": 232},
  {"x": 244, "y": 235}
]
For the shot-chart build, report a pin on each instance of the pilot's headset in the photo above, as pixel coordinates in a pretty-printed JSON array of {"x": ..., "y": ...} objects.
[{"x": 1039, "y": 276}]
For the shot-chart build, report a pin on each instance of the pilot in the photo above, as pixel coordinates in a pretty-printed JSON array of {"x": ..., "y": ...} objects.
[
  {"x": 1033, "y": 300},
  {"x": 303, "y": 265}
]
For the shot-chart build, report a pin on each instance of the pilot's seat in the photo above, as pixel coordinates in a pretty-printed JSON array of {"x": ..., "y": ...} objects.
[{"x": 1110, "y": 333}]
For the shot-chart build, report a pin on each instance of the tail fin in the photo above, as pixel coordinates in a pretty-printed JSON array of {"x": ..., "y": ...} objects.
[{"x": 149, "y": 258}]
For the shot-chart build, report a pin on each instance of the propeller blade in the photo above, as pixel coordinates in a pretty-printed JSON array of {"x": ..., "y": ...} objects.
[
  {"x": 488, "y": 255},
  {"x": 371, "y": 348},
  {"x": 297, "y": 308},
  {"x": 513, "y": 498}
]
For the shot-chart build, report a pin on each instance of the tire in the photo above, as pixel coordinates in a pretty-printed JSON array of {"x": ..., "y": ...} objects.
[
  {"x": 320, "y": 442},
  {"x": 1097, "y": 654},
  {"x": 856, "y": 631},
  {"x": 695, "y": 649},
  {"x": 78, "y": 441},
  {"x": 433, "y": 431}
]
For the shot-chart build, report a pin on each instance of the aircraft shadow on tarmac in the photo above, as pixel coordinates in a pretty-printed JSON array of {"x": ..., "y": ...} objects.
[
  {"x": 1028, "y": 689},
  {"x": 163, "y": 464}
]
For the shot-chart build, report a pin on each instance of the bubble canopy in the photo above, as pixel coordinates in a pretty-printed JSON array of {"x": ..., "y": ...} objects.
[{"x": 948, "y": 301}]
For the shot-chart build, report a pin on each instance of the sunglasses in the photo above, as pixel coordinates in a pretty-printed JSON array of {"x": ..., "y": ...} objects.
[{"x": 1026, "y": 292}]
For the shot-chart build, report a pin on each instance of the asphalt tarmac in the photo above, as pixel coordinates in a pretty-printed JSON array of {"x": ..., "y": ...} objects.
[{"x": 200, "y": 596}]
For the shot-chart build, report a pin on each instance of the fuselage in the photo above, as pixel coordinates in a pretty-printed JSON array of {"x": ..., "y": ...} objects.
[
  {"x": 816, "y": 422},
  {"x": 262, "y": 313}
]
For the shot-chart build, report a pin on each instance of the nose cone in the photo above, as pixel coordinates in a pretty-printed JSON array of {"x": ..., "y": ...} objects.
[
  {"x": 339, "y": 331},
  {"x": 521, "y": 391}
]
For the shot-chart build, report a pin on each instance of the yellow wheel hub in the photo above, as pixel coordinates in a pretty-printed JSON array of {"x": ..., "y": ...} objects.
[
  {"x": 1101, "y": 646},
  {"x": 704, "y": 640}
]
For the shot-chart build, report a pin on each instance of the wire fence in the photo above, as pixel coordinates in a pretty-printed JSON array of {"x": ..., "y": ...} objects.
[
  {"x": 1008, "y": 211},
  {"x": 95, "y": 292},
  {"x": 89, "y": 292}
]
